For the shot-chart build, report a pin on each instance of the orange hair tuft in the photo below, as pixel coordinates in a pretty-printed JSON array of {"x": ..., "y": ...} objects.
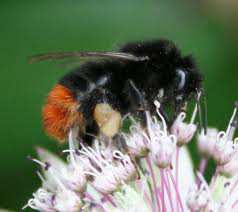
[{"x": 60, "y": 113}]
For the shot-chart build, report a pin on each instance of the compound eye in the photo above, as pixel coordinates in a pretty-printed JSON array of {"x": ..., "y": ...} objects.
[{"x": 180, "y": 79}]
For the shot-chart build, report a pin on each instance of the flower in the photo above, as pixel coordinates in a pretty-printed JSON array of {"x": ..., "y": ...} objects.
[
  {"x": 42, "y": 200},
  {"x": 136, "y": 140},
  {"x": 207, "y": 141},
  {"x": 153, "y": 173},
  {"x": 225, "y": 148},
  {"x": 230, "y": 168},
  {"x": 183, "y": 131},
  {"x": 66, "y": 200},
  {"x": 199, "y": 196},
  {"x": 162, "y": 145}
]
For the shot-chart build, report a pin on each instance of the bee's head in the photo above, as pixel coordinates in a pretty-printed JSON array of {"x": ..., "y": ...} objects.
[
  {"x": 187, "y": 80},
  {"x": 177, "y": 74}
]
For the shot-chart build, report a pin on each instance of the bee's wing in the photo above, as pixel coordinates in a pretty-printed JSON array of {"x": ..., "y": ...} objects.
[{"x": 77, "y": 54}]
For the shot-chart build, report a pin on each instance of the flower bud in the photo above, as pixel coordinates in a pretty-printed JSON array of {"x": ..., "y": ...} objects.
[
  {"x": 230, "y": 169},
  {"x": 136, "y": 141},
  {"x": 206, "y": 142},
  {"x": 74, "y": 179},
  {"x": 162, "y": 145},
  {"x": 66, "y": 200},
  {"x": 162, "y": 150},
  {"x": 199, "y": 197},
  {"x": 107, "y": 181},
  {"x": 41, "y": 201},
  {"x": 183, "y": 131},
  {"x": 124, "y": 167},
  {"x": 224, "y": 149},
  {"x": 197, "y": 200}
]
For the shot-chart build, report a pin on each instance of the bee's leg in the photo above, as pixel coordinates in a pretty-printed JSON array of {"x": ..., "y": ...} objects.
[
  {"x": 164, "y": 114},
  {"x": 101, "y": 118},
  {"x": 134, "y": 96},
  {"x": 136, "y": 101},
  {"x": 91, "y": 132}
]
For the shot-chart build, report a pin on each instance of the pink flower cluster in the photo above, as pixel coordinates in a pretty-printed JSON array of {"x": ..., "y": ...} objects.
[{"x": 153, "y": 173}]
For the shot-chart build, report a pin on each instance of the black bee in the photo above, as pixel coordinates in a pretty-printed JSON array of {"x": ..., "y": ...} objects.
[{"x": 95, "y": 96}]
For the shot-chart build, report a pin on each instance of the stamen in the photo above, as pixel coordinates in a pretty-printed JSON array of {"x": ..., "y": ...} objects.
[
  {"x": 45, "y": 165},
  {"x": 98, "y": 156},
  {"x": 231, "y": 126},
  {"x": 194, "y": 114},
  {"x": 200, "y": 123},
  {"x": 92, "y": 156},
  {"x": 150, "y": 131},
  {"x": 91, "y": 173},
  {"x": 71, "y": 147},
  {"x": 157, "y": 104},
  {"x": 205, "y": 111},
  {"x": 203, "y": 183},
  {"x": 40, "y": 176},
  {"x": 94, "y": 160}
]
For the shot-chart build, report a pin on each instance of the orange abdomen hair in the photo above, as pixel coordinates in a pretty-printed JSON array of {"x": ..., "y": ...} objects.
[{"x": 60, "y": 113}]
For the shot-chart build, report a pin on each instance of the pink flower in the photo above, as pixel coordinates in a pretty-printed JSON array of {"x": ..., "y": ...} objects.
[
  {"x": 206, "y": 142},
  {"x": 162, "y": 145},
  {"x": 183, "y": 131},
  {"x": 136, "y": 141},
  {"x": 103, "y": 178}
]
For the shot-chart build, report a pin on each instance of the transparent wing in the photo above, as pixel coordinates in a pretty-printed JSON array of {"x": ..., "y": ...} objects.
[{"x": 77, "y": 54}]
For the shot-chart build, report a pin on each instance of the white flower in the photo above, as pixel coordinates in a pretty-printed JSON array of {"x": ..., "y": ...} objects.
[
  {"x": 162, "y": 150},
  {"x": 128, "y": 199},
  {"x": 66, "y": 200},
  {"x": 161, "y": 144},
  {"x": 230, "y": 168},
  {"x": 156, "y": 174},
  {"x": 42, "y": 200},
  {"x": 225, "y": 148},
  {"x": 224, "y": 193},
  {"x": 199, "y": 196},
  {"x": 206, "y": 142},
  {"x": 124, "y": 167},
  {"x": 136, "y": 141},
  {"x": 183, "y": 131},
  {"x": 71, "y": 175},
  {"x": 110, "y": 174}
]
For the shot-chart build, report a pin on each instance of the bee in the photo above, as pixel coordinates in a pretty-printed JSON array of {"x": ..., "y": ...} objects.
[{"x": 96, "y": 96}]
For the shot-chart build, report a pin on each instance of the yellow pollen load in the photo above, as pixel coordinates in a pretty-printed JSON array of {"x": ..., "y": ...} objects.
[{"x": 108, "y": 119}]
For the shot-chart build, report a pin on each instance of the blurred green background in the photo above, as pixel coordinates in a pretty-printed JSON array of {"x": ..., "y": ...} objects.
[{"x": 29, "y": 27}]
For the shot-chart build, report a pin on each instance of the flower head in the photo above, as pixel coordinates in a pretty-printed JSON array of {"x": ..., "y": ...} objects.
[
  {"x": 108, "y": 173},
  {"x": 154, "y": 173}
]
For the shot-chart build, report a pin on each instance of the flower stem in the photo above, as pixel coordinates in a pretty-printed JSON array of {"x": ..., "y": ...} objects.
[
  {"x": 157, "y": 205},
  {"x": 178, "y": 198},
  {"x": 202, "y": 168},
  {"x": 162, "y": 190},
  {"x": 164, "y": 176}
]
